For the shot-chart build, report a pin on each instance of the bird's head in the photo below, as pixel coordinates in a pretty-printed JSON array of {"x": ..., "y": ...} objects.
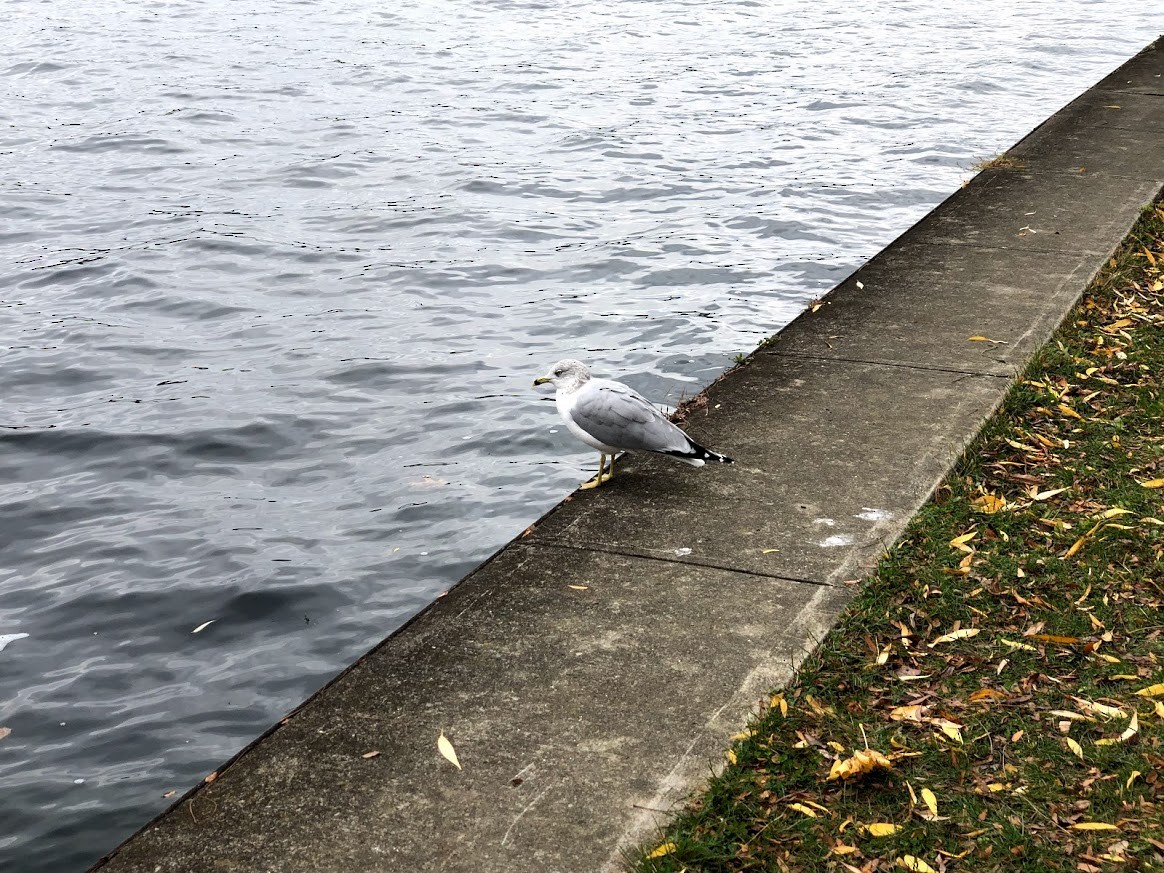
[{"x": 565, "y": 375}]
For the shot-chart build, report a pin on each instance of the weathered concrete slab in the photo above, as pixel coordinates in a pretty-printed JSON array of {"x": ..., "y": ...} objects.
[
  {"x": 575, "y": 712},
  {"x": 918, "y": 303},
  {"x": 831, "y": 459},
  {"x": 590, "y": 674}
]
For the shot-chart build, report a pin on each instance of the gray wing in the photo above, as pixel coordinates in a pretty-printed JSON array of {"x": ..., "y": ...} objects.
[{"x": 616, "y": 415}]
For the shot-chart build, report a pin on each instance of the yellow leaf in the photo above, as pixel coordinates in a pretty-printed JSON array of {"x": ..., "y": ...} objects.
[
  {"x": 959, "y": 543},
  {"x": 1153, "y": 483},
  {"x": 1114, "y": 511},
  {"x": 801, "y": 808},
  {"x": 930, "y": 800},
  {"x": 665, "y": 849},
  {"x": 1160, "y": 708},
  {"x": 1132, "y": 729},
  {"x": 1100, "y": 708},
  {"x": 731, "y": 756},
  {"x": 1132, "y": 778},
  {"x": 988, "y": 504},
  {"x": 916, "y": 712},
  {"x": 446, "y": 749},
  {"x": 963, "y": 634},
  {"x": 909, "y": 862},
  {"x": 1075, "y": 747},
  {"x": 949, "y": 728},
  {"x": 840, "y": 849},
  {"x": 1015, "y": 645},
  {"x": 978, "y": 338},
  {"x": 1152, "y": 691},
  {"x": 862, "y": 762},
  {"x": 882, "y": 829},
  {"x": 1046, "y": 495},
  {"x": 1093, "y": 826},
  {"x": 987, "y": 694},
  {"x": 1068, "y": 411}
]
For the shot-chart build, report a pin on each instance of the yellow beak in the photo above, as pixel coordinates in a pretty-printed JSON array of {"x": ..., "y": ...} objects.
[{"x": 540, "y": 380}]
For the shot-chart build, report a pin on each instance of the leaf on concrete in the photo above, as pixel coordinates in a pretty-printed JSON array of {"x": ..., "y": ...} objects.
[{"x": 446, "y": 749}]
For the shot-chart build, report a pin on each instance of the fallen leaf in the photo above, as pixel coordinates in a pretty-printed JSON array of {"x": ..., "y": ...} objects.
[
  {"x": 579, "y": 587},
  {"x": 1132, "y": 729},
  {"x": 1015, "y": 645},
  {"x": 801, "y": 808},
  {"x": 1075, "y": 747},
  {"x": 211, "y": 777},
  {"x": 4, "y": 732},
  {"x": 949, "y": 728},
  {"x": 988, "y": 504},
  {"x": 1093, "y": 826},
  {"x": 963, "y": 634},
  {"x": 987, "y": 694},
  {"x": 1132, "y": 778},
  {"x": 930, "y": 800},
  {"x": 665, "y": 849},
  {"x": 1100, "y": 708},
  {"x": 1068, "y": 411},
  {"x": 446, "y": 749},
  {"x": 862, "y": 762},
  {"x": 959, "y": 543},
  {"x": 1152, "y": 691},
  {"x": 916, "y": 712},
  {"x": 1054, "y": 638},
  {"x": 909, "y": 862},
  {"x": 1045, "y": 495},
  {"x": 978, "y": 338},
  {"x": 1153, "y": 483},
  {"x": 841, "y": 849},
  {"x": 882, "y": 829},
  {"x": 731, "y": 756},
  {"x": 169, "y": 793}
]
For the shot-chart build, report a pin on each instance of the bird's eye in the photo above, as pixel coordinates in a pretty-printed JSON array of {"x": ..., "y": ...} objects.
[{"x": 559, "y": 372}]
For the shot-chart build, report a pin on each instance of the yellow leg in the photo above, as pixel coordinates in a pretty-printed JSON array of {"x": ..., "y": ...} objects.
[
  {"x": 597, "y": 480},
  {"x": 610, "y": 468}
]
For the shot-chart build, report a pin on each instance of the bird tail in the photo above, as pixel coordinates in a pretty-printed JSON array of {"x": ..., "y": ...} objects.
[{"x": 697, "y": 455}]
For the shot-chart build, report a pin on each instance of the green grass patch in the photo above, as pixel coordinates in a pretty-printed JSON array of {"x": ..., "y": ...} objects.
[{"x": 1001, "y": 662}]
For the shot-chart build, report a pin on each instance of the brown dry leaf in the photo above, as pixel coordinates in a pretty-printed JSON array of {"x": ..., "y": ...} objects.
[
  {"x": 963, "y": 634},
  {"x": 1075, "y": 748},
  {"x": 579, "y": 587},
  {"x": 1153, "y": 483},
  {"x": 1054, "y": 638},
  {"x": 4, "y": 732},
  {"x": 371, "y": 754},
  {"x": 882, "y": 829},
  {"x": 1093, "y": 826},
  {"x": 665, "y": 849},
  {"x": 211, "y": 777},
  {"x": 861, "y": 763},
  {"x": 447, "y": 750},
  {"x": 169, "y": 793},
  {"x": 1152, "y": 691}
]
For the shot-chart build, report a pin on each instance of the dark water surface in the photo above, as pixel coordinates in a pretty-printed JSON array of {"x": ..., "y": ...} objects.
[{"x": 276, "y": 277}]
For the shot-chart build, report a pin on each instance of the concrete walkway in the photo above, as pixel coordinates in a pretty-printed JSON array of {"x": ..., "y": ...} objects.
[{"x": 591, "y": 673}]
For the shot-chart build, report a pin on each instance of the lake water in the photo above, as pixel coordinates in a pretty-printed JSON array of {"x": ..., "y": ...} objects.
[{"x": 276, "y": 278}]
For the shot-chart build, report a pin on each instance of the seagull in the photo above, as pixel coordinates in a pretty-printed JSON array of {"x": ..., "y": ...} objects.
[{"x": 612, "y": 417}]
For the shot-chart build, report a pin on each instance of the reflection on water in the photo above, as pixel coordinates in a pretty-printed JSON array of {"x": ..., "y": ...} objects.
[{"x": 277, "y": 276}]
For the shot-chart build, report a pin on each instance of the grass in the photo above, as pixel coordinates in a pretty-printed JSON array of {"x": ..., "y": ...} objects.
[
  {"x": 1006, "y": 659},
  {"x": 998, "y": 162}
]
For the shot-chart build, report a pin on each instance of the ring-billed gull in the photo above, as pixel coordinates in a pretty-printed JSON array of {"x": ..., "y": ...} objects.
[{"x": 613, "y": 417}]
